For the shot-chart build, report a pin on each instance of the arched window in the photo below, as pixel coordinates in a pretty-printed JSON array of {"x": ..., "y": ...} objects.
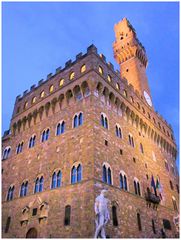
[
  {"x": 114, "y": 216},
  {"x": 43, "y": 136},
  {"x": 104, "y": 120},
  {"x": 123, "y": 181},
  {"x": 139, "y": 221},
  {"x": 24, "y": 189},
  {"x": 47, "y": 134},
  {"x": 42, "y": 94},
  {"x": 67, "y": 215},
  {"x": 75, "y": 121},
  {"x": 166, "y": 165},
  {"x": 41, "y": 184},
  {"x": 32, "y": 141},
  {"x": 106, "y": 174},
  {"x": 141, "y": 148},
  {"x": 37, "y": 183},
  {"x": 19, "y": 148},
  {"x": 54, "y": 180},
  {"x": 80, "y": 119},
  {"x": 72, "y": 75},
  {"x": 79, "y": 173},
  {"x": 25, "y": 105},
  {"x": 51, "y": 88},
  {"x": 59, "y": 178},
  {"x": 73, "y": 175},
  {"x": 60, "y": 128},
  {"x": 6, "y": 152},
  {"x": 10, "y": 193},
  {"x": 117, "y": 86},
  {"x": 83, "y": 68},
  {"x": 100, "y": 70},
  {"x": 76, "y": 174},
  {"x": 125, "y": 93},
  {"x": 153, "y": 226},
  {"x": 33, "y": 99},
  {"x": 137, "y": 187},
  {"x": 131, "y": 140},
  {"x": 63, "y": 127},
  {"x": 109, "y": 176},
  {"x": 118, "y": 131},
  {"x": 109, "y": 78},
  {"x": 61, "y": 82}
]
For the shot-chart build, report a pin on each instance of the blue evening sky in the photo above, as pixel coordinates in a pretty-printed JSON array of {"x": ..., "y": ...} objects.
[{"x": 38, "y": 37}]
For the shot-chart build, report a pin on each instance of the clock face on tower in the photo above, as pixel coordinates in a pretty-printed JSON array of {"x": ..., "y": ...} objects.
[{"x": 147, "y": 98}]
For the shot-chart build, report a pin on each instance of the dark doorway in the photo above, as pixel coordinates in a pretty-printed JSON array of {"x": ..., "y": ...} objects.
[{"x": 32, "y": 233}]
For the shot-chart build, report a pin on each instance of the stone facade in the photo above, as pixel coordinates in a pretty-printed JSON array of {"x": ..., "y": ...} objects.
[{"x": 96, "y": 88}]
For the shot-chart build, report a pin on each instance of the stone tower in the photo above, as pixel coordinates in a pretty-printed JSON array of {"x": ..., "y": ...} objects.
[
  {"x": 131, "y": 56},
  {"x": 83, "y": 129}
]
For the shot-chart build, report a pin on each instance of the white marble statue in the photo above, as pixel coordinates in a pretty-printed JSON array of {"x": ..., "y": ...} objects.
[{"x": 102, "y": 214}]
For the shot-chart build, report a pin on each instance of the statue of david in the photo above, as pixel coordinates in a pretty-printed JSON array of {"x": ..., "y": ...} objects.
[{"x": 102, "y": 214}]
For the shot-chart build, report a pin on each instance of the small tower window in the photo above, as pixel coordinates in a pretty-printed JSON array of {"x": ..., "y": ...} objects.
[
  {"x": 42, "y": 94},
  {"x": 125, "y": 93},
  {"x": 83, "y": 68},
  {"x": 139, "y": 221},
  {"x": 51, "y": 88},
  {"x": 26, "y": 105},
  {"x": 72, "y": 75},
  {"x": 117, "y": 86},
  {"x": 109, "y": 78},
  {"x": 100, "y": 70},
  {"x": 61, "y": 82},
  {"x": 33, "y": 99}
]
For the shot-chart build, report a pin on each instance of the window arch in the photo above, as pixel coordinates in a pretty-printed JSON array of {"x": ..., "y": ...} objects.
[
  {"x": 61, "y": 82},
  {"x": 56, "y": 179},
  {"x": 33, "y": 99},
  {"x": 118, "y": 131},
  {"x": 45, "y": 135},
  {"x": 39, "y": 184},
  {"x": 67, "y": 215},
  {"x": 109, "y": 78},
  {"x": 137, "y": 187},
  {"x": 19, "y": 148},
  {"x": 131, "y": 140},
  {"x": 114, "y": 216},
  {"x": 25, "y": 105},
  {"x": 72, "y": 75},
  {"x": 10, "y": 193},
  {"x": 104, "y": 120},
  {"x": 123, "y": 181},
  {"x": 76, "y": 174},
  {"x": 100, "y": 70},
  {"x": 107, "y": 173},
  {"x": 125, "y": 93},
  {"x": 24, "y": 189},
  {"x": 117, "y": 86},
  {"x": 60, "y": 128},
  {"x": 6, "y": 152},
  {"x": 42, "y": 94},
  {"x": 83, "y": 68},
  {"x": 78, "y": 120},
  {"x": 51, "y": 88},
  {"x": 32, "y": 141}
]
